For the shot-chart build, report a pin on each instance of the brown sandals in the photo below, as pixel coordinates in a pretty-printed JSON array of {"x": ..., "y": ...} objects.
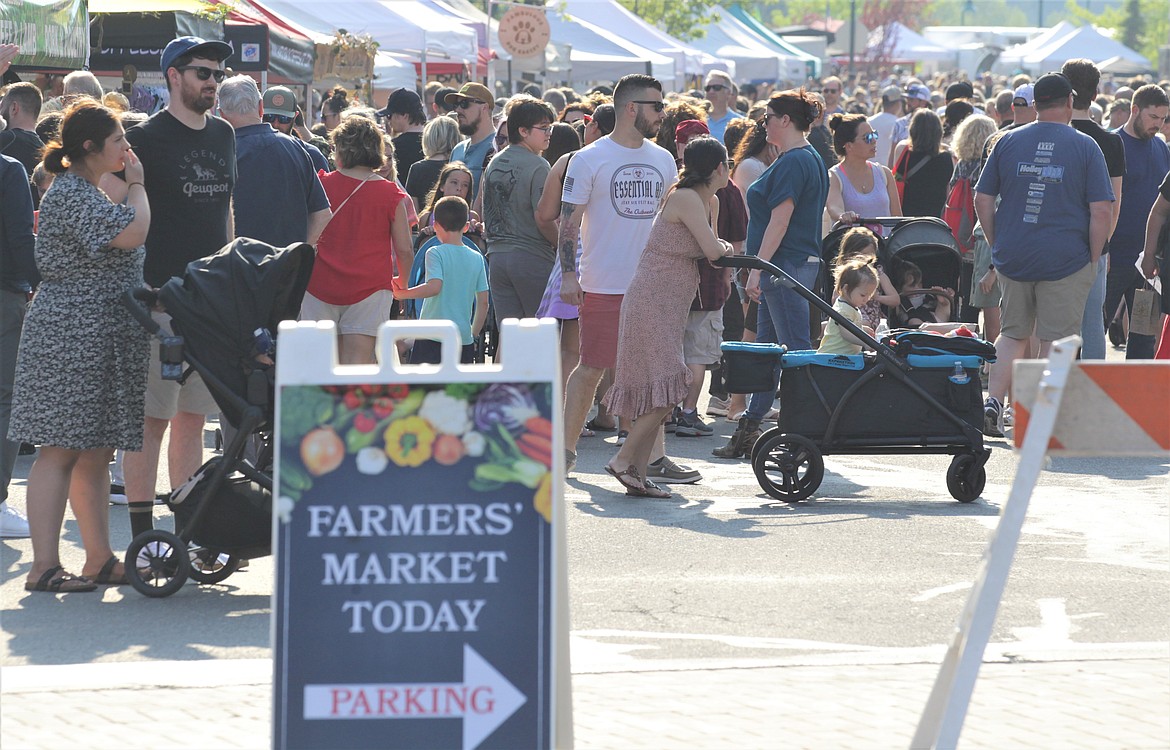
[
  {"x": 55, "y": 580},
  {"x": 642, "y": 487}
]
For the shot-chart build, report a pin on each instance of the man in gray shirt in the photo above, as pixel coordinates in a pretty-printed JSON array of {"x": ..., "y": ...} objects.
[{"x": 520, "y": 247}]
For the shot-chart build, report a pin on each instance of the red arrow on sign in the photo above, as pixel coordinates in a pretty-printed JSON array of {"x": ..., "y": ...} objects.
[{"x": 484, "y": 700}]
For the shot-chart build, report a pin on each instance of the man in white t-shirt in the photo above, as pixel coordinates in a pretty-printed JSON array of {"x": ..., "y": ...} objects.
[
  {"x": 884, "y": 121},
  {"x": 613, "y": 189}
]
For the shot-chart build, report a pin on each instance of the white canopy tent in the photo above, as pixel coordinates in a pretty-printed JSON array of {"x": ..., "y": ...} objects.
[
  {"x": 689, "y": 61},
  {"x": 1086, "y": 42},
  {"x": 596, "y": 54},
  {"x": 1012, "y": 58},
  {"x": 899, "y": 42},
  {"x": 409, "y": 29},
  {"x": 756, "y": 61}
]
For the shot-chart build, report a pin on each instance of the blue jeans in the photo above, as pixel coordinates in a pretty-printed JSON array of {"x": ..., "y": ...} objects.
[
  {"x": 1093, "y": 323},
  {"x": 783, "y": 319},
  {"x": 12, "y": 309}
]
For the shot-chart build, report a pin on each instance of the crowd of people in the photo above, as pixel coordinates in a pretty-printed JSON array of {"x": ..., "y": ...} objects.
[{"x": 603, "y": 210}]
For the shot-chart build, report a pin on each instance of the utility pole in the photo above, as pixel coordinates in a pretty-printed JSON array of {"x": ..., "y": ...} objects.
[{"x": 852, "y": 33}]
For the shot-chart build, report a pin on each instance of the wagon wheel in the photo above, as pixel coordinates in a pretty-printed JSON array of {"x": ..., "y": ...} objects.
[
  {"x": 764, "y": 437},
  {"x": 789, "y": 467},
  {"x": 965, "y": 478},
  {"x": 211, "y": 566}
]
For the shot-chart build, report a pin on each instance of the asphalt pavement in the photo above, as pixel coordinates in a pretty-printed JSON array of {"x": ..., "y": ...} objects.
[{"x": 717, "y": 619}]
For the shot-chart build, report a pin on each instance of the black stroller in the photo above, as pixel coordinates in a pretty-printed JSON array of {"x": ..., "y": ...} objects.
[
  {"x": 857, "y": 404},
  {"x": 222, "y": 307}
]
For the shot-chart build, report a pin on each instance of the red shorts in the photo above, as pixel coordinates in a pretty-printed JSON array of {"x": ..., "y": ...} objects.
[{"x": 600, "y": 318}]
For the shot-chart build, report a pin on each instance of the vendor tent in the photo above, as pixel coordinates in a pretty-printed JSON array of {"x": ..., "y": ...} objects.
[
  {"x": 689, "y": 61},
  {"x": 898, "y": 43},
  {"x": 756, "y": 60},
  {"x": 1086, "y": 42},
  {"x": 812, "y": 62},
  {"x": 597, "y": 54},
  {"x": 1012, "y": 58},
  {"x": 409, "y": 27}
]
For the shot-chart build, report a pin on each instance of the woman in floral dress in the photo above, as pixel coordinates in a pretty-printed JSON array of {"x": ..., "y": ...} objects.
[{"x": 81, "y": 369}]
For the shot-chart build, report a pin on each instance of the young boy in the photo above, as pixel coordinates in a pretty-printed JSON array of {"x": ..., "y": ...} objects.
[{"x": 456, "y": 284}]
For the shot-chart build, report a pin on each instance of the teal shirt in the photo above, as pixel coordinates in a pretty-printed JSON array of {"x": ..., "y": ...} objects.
[
  {"x": 474, "y": 155},
  {"x": 800, "y": 175},
  {"x": 464, "y": 274}
]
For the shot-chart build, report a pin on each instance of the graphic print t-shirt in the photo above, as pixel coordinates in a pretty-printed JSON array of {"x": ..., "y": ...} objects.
[
  {"x": 189, "y": 176},
  {"x": 622, "y": 190}
]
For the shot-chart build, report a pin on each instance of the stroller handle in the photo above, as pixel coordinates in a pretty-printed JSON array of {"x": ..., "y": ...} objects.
[
  {"x": 139, "y": 302},
  {"x": 755, "y": 262}
]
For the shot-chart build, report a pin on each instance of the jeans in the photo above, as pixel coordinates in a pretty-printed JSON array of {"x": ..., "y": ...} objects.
[
  {"x": 12, "y": 309},
  {"x": 1122, "y": 281},
  {"x": 1092, "y": 323},
  {"x": 783, "y": 319}
]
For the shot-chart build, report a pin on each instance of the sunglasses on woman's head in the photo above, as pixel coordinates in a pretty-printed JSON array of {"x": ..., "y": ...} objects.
[
  {"x": 870, "y": 137},
  {"x": 203, "y": 72}
]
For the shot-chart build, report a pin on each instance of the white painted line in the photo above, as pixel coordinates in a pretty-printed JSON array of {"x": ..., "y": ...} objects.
[{"x": 939, "y": 591}]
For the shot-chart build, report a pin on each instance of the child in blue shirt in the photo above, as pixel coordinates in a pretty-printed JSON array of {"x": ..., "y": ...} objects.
[{"x": 456, "y": 288}]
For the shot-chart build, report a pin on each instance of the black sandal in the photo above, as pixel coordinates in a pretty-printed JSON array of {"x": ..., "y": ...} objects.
[
  {"x": 651, "y": 490},
  {"x": 105, "y": 576},
  {"x": 592, "y": 425},
  {"x": 65, "y": 583}
]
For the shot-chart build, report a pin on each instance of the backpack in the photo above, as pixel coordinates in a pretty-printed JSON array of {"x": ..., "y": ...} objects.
[{"x": 959, "y": 213}]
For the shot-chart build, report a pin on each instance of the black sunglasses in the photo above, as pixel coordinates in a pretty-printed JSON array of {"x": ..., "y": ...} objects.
[
  {"x": 282, "y": 119},
  {"x": 465, "y": 103},
  {"x": 203, "y": 72},
  {"x": 657, "y": 104},
  {"x": 716, "y": 87}
]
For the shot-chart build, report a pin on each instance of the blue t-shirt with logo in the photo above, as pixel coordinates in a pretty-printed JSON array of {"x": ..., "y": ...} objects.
[
  {"x": 798, "y": 174},
  {"x": 1047, "y": 174}
]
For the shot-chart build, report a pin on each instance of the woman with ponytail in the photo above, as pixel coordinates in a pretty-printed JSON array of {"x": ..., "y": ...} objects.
[
  {"x": 784, "y": 227},
  {"x": 651, "y": 374},
  {"x": 81, "y": 369}
]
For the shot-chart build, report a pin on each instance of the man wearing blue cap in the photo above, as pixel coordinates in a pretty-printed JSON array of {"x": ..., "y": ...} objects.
[
  {"x": 917, "y": 97},
  {"x": 189, "y": 163}
]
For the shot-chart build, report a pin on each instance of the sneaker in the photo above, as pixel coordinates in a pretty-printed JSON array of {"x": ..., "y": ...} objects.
[
  {"x": 735, "y": 416},
  {"x": 12, "y": 524},
  {"x": 691, "y": 425},
  {"x": 672, "y": 423},
  {"x": 621, "y": 438},
  {"x": 993, "y": 418},
  {"x": 665, "y": 471},
  {"x": 1008, "y": 420},
  {"x": 717, "y": 407},
  {"x": 118, "y": 495}
]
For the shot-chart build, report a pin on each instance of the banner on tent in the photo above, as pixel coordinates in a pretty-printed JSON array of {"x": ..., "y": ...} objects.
[{"x": 50, "y": 34}]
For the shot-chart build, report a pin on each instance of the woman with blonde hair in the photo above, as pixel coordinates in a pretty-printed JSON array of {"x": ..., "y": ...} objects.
[
  {"x": 438, "y": 140},
  {"x": 970, "y": 138}
]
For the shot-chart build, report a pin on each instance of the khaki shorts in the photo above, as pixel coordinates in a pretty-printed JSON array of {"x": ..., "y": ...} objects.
[
  {"x": 364, "y": 317},
  {"x": 1054, "y": 309},
  {"x": 166, "y": 398},
  {"x": 702, "y": 337}
]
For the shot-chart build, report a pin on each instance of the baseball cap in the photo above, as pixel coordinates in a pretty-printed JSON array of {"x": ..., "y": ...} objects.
[
  {"x": 441, "y": 97},
  {"x": 1024, "y": 92},
  {"x": 279, "y": 100},
  {"x": 1051, "y": 87},
  {"x": 688, "y": 129},
  {"x": 471, "y": 91},
  {"x": 918, "y": 91},
  {"x": 196, "y": 47},
  {"x": 402, "y": 101},
  {"x": 892, "y": 93},
  {"x": 960, "y": 90}
]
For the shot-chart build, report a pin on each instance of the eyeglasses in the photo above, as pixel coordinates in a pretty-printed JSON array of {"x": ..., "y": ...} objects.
[
  {"x": 466, "y": 103},
  {"x": 656, "y": 103},
  {"x": 730, "y": 164},
  {"x": 544, "y": 128},
  {"x": 716, "y": 87},
  {"x": 282, "y": 119},
  {"x": 870, "y": 137},
  {"x": 832, "y": 91},
  {"x": 203, "y": 72}
]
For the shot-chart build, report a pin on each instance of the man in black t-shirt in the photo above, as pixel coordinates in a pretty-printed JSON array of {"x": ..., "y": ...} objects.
[
  {"x": 1085, "y": 78},
  {"x": 20, "y": 108},
  {"x": 189, "y": 162},
  {"x": 404, "y": 119}
]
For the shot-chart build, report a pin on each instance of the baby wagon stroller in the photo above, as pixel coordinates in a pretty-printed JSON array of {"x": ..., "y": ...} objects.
[
  {"x": 918, "y": 393},
  {"x": 930, "y": 245},
  {"x": 222, "y": 312}
]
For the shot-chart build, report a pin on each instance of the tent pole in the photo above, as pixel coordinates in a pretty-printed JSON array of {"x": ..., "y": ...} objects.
[{"x": 424, "y": 61}]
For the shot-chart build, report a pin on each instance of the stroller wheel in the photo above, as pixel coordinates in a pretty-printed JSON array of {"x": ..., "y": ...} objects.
[
  {"x": 789, "y": 467},
  {"x": 157, "y": 563},
  {"x": 763, "y": 438},
  {"x": 965, "y": 478},
  {"x": 211, "y": 566}
]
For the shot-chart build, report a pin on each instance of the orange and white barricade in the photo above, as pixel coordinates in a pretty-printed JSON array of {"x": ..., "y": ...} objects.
[{"x": 1061, "y": 407}]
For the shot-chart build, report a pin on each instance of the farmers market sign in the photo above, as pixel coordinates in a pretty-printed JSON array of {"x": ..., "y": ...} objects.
[{"x": 414, "y": 563}]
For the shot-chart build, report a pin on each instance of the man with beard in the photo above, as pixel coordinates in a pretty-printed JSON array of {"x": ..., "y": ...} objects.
[
  {"x": 473, "y": 110},
  {"x": 1147, "y": 161},
  {"x": 189, "y": 163},
  {"x": 613, "y": 190}
]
